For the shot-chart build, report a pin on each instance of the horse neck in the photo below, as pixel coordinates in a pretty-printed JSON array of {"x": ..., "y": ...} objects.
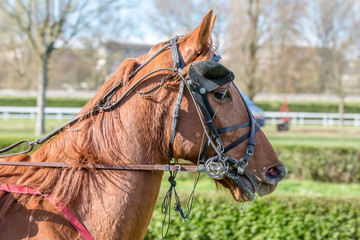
[{"x": 122, "y": 203}]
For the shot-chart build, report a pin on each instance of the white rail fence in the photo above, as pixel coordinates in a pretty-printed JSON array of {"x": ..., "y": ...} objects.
[
  {"x": 310, "y": 118},
  {"x": 297, "y": 118},
  {"x": 59, "y": 113}
]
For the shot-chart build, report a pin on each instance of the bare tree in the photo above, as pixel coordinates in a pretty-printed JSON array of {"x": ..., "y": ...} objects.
[
  {"x": 355, "y": 34},
  {"x": 49, "y": 25},
  {"x": 332, "y": 31},
  {"x": 17, "y": 61},
  {"x": 172, "y": 17},
  {"x": 259, "y": 33}
]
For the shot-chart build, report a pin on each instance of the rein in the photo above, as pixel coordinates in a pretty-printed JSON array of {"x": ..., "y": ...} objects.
[{"x": 139, "y": 167}]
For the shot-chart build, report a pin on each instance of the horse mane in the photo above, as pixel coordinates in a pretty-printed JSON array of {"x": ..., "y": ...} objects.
[{"x": 88, "y": 141}]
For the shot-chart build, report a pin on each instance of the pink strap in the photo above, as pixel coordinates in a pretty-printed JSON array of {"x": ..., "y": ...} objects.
[{"x": 59, "y": 206}]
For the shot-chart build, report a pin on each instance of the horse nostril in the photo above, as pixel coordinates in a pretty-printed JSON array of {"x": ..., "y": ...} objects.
[{"x": 275, "y": 174}]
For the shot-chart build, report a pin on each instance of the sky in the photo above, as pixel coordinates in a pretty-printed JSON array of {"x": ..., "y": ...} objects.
[{"x": 141, "y": 31}]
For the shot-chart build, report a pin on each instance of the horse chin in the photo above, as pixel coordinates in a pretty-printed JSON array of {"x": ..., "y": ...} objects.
[{"x": 241, "y": 188}]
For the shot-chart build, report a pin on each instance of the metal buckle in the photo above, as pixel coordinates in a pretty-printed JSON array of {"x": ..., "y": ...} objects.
[
  {"x": 167, "y": 167},
  {"x": 249, "y": 152},
  {"x": 241, "y": 166},
  {"x": 179, "y": 168},
  {"x": 220, "y": 145}
]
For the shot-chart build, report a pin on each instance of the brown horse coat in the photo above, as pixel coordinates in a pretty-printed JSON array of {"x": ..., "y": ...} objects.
[{"x": 119, "y": 204}]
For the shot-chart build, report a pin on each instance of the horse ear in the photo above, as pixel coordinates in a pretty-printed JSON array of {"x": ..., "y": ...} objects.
[
  {"x": 201, "y": 35},
  {"x": 212, "y": 22}
]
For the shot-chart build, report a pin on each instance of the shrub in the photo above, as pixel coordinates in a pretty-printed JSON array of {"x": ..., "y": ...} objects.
[
  {"x": 50, "y": 102},
  {"x": 273, "y": 217},
  {"x": 329, "y": 164}
]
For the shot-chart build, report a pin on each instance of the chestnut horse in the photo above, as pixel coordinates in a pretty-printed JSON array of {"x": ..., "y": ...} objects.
[{"x": 119, "y": 204}]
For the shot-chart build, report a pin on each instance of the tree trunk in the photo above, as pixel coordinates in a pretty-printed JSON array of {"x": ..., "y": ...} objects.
[
  {"x": 41, "y": 97},
  {"x": 341, "y": 110}
]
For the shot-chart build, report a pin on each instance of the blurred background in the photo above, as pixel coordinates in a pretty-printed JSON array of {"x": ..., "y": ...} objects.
[{"x": 297, "y": 61}]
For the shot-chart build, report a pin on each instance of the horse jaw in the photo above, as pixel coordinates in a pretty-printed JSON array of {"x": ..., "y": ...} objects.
[{"x": 241, "y": 188}]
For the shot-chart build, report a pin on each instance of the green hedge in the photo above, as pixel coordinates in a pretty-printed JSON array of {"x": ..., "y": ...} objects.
[
  {"x": 330, "y": 107},
  {"x": 328, "y": 164},
  {"x": 51, "y": 102},
  {"x": 272, "y": 217}
]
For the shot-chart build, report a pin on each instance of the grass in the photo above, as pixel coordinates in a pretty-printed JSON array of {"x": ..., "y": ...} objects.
[
  {"x": 185, "y": 183},
  {"x": 314, "y": 136},
  {"x": 24, "y": 128}
]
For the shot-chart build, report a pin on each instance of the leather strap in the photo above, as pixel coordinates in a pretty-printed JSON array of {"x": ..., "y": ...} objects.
[
  {"x": 176, "y": 116},
  {"x": 178, "y": 61},
  {"x": 238, "y": 126},
  {"x": 57, "y": 204},
  {"x": 239, "y": 140},
  {"x": 156, "y": 167}
]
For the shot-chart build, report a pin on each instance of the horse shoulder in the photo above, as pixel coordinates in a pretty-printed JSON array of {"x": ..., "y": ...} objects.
[{"x": 35, "y": 218}]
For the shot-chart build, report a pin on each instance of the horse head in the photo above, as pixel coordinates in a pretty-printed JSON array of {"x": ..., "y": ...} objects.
[{"x": 229, "y": 130}]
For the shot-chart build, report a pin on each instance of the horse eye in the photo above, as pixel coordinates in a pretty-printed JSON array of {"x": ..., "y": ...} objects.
[{"x": 222, "y": 95}]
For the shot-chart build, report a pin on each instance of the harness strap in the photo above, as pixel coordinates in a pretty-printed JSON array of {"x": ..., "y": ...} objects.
[
  {"x": 239, "y": 140},
  {"x": 55, "y": 201},
  {"x": 238, "y": 126},
  {"x": 242, "y": 138},
  {"x": 207, "y": 114},
  {"x": 155, "y": 167},
  {"x": 178, "y": 61},
  {"x": 204, "y": 151},
  {"x": 205, "y": 101},
  {"x": 251, "y": 143},
  {"x": 176, "y": 116}
]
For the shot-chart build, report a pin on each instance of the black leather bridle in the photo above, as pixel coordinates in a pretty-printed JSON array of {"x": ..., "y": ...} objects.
[{"x": 199, "y": 85}]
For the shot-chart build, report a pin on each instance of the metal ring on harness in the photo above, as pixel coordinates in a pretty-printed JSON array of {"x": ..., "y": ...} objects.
[{"x": 217, "y": 167}]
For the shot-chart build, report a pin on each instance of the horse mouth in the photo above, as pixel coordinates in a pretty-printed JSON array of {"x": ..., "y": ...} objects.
[{"x": 241, "y": 188}]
